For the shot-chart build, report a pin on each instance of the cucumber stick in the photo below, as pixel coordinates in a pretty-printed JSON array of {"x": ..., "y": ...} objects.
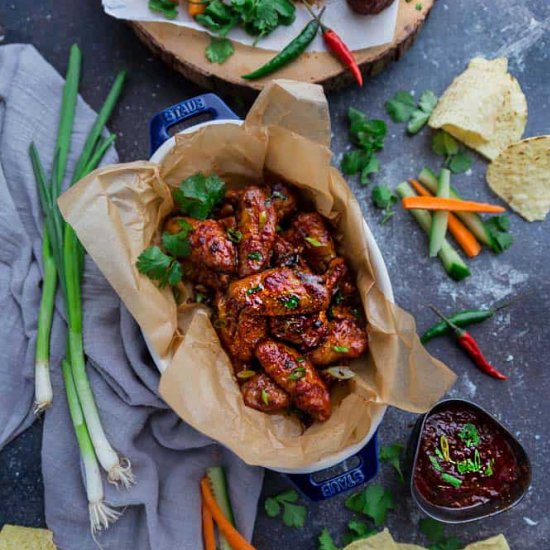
[
  {"x": 440, "y": 219},
  {"x": 452, "y": 262},
  {"x": 470, "y": 219},
  {"x": 218, "y": 485}
]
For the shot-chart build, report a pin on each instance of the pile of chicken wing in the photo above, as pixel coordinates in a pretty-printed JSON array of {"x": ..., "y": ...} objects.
[{"x": 285, "y": 304}]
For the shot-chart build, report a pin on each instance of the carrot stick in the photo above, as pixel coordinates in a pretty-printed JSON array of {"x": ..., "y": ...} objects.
[
  {"x": 462, "y": 235},
  {"x": 235, "y": 539},
  {"x": 450, "y": 205},
  {"x": 195, "y": 8},
  {"x": 208, "y": 536}
]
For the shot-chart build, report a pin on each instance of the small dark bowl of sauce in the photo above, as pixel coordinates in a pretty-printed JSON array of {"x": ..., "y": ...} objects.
[{"x": 467, "y": 465}]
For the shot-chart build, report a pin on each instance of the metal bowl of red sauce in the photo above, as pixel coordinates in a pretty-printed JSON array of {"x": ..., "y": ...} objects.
[{"x": 467, "y": 465}]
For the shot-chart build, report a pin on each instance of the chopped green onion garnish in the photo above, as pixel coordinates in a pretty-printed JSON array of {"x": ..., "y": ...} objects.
[
  {"x": 234, "y": 235},
  {"x": 451, "y": 480},
  {"x": 435, "y": 463},
  {"x": 313, "y": 242},
  {"x": 254, "y": 289},
  {"x": 265, "y": 397},
  {"x": 256, "y": 256},
  {"x": 340, "y": 349},
  {"x": 291, "y": 302},
  {"x": 244, "y": 374},
  {"x": 297, "y": 373},
  {"x": 340, "y": 373}
]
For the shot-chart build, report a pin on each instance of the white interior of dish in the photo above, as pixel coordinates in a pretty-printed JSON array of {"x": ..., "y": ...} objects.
[{"x": 382, "y": 280}]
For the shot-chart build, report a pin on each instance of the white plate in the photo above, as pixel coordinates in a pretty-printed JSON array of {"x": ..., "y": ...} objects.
[{"x": 382, "y": 280}]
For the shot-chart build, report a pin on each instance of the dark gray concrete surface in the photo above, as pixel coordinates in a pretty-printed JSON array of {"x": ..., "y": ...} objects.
[{"x": 518, "y": 340}]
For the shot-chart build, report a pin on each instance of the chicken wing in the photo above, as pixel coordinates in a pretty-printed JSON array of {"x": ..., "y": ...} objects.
[
  {"x": 285, "y": 252},
  {"x": 210, "y": 245},
  {"x": 257, "y": 223},
  {"x": 347, "y": 339},
  {"x": 304, "y": 331},
  {"x": 201, "y": 275},
  {"x": 279, "y": 292},
  {"x": 262, "y": 394},
  {"x": 297, "y": 376},
  {"x": 239, "y": 331},
  {"x": 283, "y": 199},
  {"x": 314, "y": 234}
]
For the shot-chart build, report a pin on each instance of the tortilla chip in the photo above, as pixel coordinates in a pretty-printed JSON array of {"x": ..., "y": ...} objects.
[
  {"x": 484, "y": 108},
  {"x": 520, "y": 175},
  {"x": 498, "y": 542},
  {"x": 14, "y": 537},
  {"x": 380, "y": 541},
  {"x": 405, "y": 546},
  {"x": 470, "y": 105}
]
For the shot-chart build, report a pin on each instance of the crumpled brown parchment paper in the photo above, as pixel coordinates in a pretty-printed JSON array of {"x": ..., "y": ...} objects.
[{"x": 117, "y": 211}]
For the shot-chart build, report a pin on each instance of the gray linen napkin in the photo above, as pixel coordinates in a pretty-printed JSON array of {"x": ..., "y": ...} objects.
[{"x": 162, "y": 511}]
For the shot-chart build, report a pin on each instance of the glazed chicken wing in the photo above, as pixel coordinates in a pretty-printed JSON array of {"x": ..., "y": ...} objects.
[
  {"x": 278, "y": 292},
  {"x": 201, "y": 275},
  {"x": 239, "y": 331},
  {"x": 304, "y": 331},
  {"x": 313, "y": 233},
  {"x": 285, "y": 252},
  {"x": 257, "y": 223},
  {"x": 283, "y": 199},
  {"x": 262, "y": 394},
  {"x": 347, "y": 339},
  {"x": 297, "y": 376},
  {"x": 210, "y": 245}
]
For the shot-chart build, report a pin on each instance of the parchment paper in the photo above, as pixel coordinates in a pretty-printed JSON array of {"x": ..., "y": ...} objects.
[
  {"x": 360, "y": 31},
  {"x": 116, "y": 212}
]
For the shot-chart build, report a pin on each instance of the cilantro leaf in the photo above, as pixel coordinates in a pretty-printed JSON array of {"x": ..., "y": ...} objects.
[
  {"x": 177, "y": 244},
  {"x": 353, "y": 161},
  {"x": 272, "y": 506},
  {"x": 326, "y": 542},
  {"x": 384, "y": 198},
  {"x": 357, "y": 531},
  {"x": 391, "y": 454},
  {"x": 219, "y": 50},
  {"x": 166, "y": 7},
  {"x": 374, "y": 502},
  {"x": 428, "y": 101},
  {"x": 370, "y": 167},
  {"x": 294, "y": 515},
  {"x": 401, "y": 106},
  {"x": 417, "y": 121},
  {"x": 432, "y": 528},
  {"x": 444, "y": 144},
  {"x": 377, "y": 503},
  {"x": 459, "y": 163},
  {"x": 498, "y": 227},
  {"x": 158, "y": 266},
  {"x": 198, "y": 195}
]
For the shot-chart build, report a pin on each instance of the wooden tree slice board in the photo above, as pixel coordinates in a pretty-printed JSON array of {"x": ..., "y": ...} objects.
[{"x": 183, "y": 49}]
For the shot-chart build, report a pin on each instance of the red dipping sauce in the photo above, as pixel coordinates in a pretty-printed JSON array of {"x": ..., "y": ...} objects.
[{"x": 465, "y": 459}]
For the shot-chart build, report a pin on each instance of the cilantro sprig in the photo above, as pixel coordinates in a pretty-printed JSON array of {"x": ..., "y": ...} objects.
[
  {"x": 384, "y": 198},
  {"x": 498, "y": 227},
  {"x": 445, "y": 145},
  {"x": 198, "y": 194},
  {"x": 368, "y": 136},
  {"x": 402, "y": 107},
  {"x": 177, "y": 244},
  {"x": 219, "y": 50},
  {"x": 392, "y": 454},
  {"x": 374, "y": 501},
  {"x": 434, "y": 532},
  {"x": 166, "y": 7},
  {"x": 160, "y": 267},
  {"x": 294, "y": 515}
]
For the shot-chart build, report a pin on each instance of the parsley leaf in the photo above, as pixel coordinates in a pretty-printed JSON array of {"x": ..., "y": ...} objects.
[
  {"x": 198, "y": 195},
  {"x": 401, "y": 106},
  {"x": 391, "y": 454},
  {"x": 374, "y": 501},
  {"x": 294, "y": 515},
  {"x": 433, "y": 530},
  {"x": 326, "y": 542},
  {"x": 219, "y": 50},
  {"x": 158, "y": 266}
]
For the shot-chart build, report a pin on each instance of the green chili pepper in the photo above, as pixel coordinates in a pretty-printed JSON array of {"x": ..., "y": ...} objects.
[
  {"x": 289, "y": 53},
  {"x": 463, "y": 319}
]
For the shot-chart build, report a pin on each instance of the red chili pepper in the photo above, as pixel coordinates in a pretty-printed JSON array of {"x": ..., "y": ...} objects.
[
  {"x": 339, "y": 48},
  {"x": 469, "y": 344}
]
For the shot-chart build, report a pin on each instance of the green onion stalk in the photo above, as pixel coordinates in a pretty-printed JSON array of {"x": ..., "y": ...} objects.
[{"x": 64, "y": 255}]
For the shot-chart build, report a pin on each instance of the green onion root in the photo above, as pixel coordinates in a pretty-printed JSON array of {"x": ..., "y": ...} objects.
[
  {"x": 101, "y": 514},
  {"x": 42, "y": 384}
]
